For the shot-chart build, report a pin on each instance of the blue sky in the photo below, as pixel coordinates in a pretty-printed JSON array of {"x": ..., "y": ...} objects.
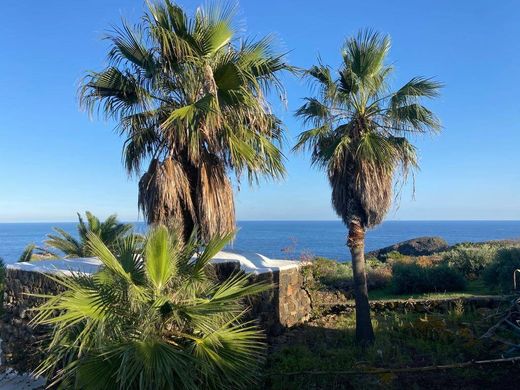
[{"x": 55, "y": 161}]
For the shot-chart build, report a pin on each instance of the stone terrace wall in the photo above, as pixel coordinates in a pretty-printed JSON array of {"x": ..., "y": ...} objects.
[
  {"x": 285, "y": 305},
  {"x": 334, "y": 302},
  {"x": 19, "y": 339}
]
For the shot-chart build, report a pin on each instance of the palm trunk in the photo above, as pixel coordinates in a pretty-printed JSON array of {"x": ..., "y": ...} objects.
[{"x": 356, "y": 243}]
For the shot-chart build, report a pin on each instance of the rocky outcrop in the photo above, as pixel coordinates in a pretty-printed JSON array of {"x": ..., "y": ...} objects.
[{"x": 421, "y": 246}]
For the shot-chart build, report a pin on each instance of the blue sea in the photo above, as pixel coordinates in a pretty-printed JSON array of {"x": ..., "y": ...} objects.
[{"x": 293, "y": 239}]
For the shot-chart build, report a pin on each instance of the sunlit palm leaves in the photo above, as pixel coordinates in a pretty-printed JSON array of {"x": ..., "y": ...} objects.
[
  {"x": 360, "y": 127},
  {"x": 152, "y": 318},
  {"x": 190, "y": 97},
  {"x": 110, "y": 232}
]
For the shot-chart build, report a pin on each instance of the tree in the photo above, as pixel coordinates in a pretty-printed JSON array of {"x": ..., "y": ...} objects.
[
  {"x": 152, "y": 318},
  {"x": 109, "y": 232},
  {"x": 189, "y": 96},
  {"x": 358, "y": 136}
]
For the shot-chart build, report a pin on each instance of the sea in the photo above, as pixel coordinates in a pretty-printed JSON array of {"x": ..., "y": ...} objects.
[{"x": 293, "y": 239}]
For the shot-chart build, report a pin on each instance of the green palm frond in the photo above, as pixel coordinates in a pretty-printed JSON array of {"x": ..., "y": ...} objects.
[
  {"x": 110, "y": 232},
  {"x": 358, "y": 127},
  {"x": 27, "y": 253},
  {"x": 176, "y": 85},
  {"x": 150, "y": 317}
]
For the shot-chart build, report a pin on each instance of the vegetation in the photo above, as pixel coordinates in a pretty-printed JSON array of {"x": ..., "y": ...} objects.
[
  {"x": 28, "y": 253},
  {"x": 152, "y": 318},
  {"x": 190, "y": 97},
  {"x": 465, "y": 269},
  {"x": 470, "y": 260},
  {"x": 110, "y": 232},
  {"x": 359, "y": 137},
  {"x": 408, "y": 340},
  {"x": 409, "y": 278},
  {"x": 2, "y": 283},
  {"x": 331, "y": 274},
  {"x": 499, "y": 274}
]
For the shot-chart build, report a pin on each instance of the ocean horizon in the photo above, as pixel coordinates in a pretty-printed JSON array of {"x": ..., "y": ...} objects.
[{"x": 292, "y": 239}]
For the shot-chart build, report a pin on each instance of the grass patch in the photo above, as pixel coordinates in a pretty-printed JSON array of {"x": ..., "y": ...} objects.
[{"x": 402, "y": 340}]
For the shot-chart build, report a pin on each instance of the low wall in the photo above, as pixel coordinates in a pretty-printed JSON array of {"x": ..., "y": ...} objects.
[
  {"x": 334, "y": 302},
  {"x": 285, "y": 305},
  {"x": 19, "y": 340}
]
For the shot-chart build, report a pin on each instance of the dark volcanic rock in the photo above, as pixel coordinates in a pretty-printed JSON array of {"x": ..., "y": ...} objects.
[{"x": 421, "y": 246}]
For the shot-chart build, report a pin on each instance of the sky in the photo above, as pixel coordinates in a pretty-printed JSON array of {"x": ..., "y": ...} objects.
[{"x": 55, "y": 160}]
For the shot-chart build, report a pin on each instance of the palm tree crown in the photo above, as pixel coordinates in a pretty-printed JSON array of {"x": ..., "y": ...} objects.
[
  {"x": 359, "y": 127},
  {"x": 190, "y": 98},
  {"x": 152, "y": 318},
  {"x": 109, "y": 232}
]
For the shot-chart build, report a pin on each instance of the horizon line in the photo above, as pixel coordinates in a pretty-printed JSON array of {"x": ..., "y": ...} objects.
[{"x": 282, "y": 220}]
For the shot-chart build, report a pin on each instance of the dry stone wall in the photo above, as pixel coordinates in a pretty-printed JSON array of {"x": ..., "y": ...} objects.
[{"x": 20, "y": 340}]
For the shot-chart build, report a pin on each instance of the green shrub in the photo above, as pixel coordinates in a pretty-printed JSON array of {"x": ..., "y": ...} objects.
[
  {"x": 393, "y": 256},
  {"x": 2, "y": 284},
  {"x": 499, "y": 274},
  {"x": 331, "y": 273},
  {"x": 470, "y": 260},
  {"x": 379, "y": 277},
  {"x": 443, "y": 278},
  {"x": 410, "y": 278}
]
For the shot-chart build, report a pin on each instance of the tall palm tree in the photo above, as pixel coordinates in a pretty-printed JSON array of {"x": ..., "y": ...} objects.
[
  {"x": 189, "y": 96},
  {"x": 358, "y": 136},
  {"x": 152, "y": 318}
]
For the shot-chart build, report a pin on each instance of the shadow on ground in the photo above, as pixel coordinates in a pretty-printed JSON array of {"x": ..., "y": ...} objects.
[{"x": 399, "y": 343}]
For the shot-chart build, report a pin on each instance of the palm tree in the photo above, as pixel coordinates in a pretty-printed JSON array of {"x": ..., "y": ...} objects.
[
  {"x": 152, "y": 318},
  {"x": 109, "y": 232},
  {"x": 189, "y": 96},
  {"x": 358, "y": 136}
]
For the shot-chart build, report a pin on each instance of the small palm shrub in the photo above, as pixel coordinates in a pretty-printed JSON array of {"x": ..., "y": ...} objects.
[
  {"x": 109, "y": 231},
  {"x": 152, "y": 318},
  {"x": 470, "y": 260},
  {"x": 499, "y": 274},
  {"x": 410, "y": 278}
]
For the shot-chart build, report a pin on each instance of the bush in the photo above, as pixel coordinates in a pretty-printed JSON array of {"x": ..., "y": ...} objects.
[
  {"x": 379, "y": 277},
  {"x": 409, "y": 278},
  {"x": 331, "y": 273},
  {"x": 2, "y": 284},
  {"x": 470, "y": 260},
  {"x": 335, "y": 275},
  {"x": 443, "y": 278},
  {"x": 499, "y": 274}
]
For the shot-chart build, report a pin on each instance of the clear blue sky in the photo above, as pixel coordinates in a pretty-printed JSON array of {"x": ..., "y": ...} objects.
[{"x": 55, "y": 161}]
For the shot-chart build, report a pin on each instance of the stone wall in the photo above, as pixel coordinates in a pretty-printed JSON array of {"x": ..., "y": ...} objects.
[
  {"x": 285, "y": 305},
  {"x": 19, "y": 340},
  {"x": 333, "y": 302}
]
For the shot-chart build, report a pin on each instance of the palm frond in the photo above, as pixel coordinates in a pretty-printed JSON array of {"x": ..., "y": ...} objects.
[
  {"x": 110, "y": 330},
  {"x": 358, "y": 127},
  {"x": 176, "y": 85}
]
